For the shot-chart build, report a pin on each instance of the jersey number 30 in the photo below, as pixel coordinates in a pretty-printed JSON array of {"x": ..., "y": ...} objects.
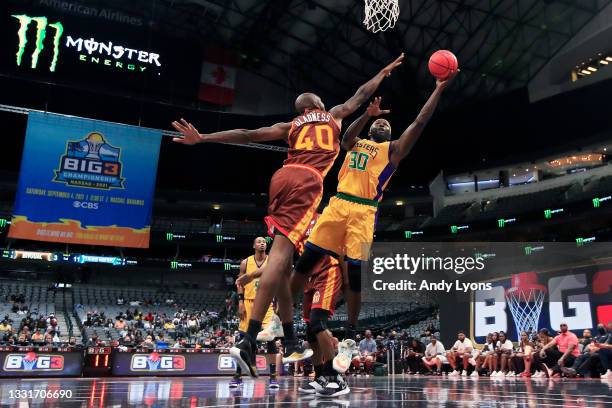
[
  {"x": 358, "y": 161},
  {"x": 324, "y": 135}
]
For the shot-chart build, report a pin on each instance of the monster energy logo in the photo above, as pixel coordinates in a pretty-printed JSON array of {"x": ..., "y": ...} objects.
[
  {"x": 219, "y": 238},
  {"x": 530, "y": 250},
  {"x": 3, "y": 223},
  {"x": 501, "y": 223},
  {"x": 173, "y": 265},
  {"x": 597, "y": 201},
  {"x": 169, "y": 236},
  {"x": 456, "y": 228},
  {"x": 549, "y": 213},
  {"x": 581, "y": 241},
  {"x": 41, "y": 34},
  {"x": 410, "y": 234},
  {"x": 227, "y": 266}
]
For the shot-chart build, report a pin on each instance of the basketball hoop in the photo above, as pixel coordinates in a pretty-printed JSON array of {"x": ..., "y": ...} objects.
[
  {"x": 381, "y": 15},
  {"x": 525, "y": 299}
]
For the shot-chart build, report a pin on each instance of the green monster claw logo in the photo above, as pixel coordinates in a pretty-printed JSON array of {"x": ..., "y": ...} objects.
[{"x": 41, "y": 34}]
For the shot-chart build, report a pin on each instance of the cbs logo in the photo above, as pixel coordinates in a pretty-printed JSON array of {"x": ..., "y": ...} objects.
[{"x": 85, "y": 205}]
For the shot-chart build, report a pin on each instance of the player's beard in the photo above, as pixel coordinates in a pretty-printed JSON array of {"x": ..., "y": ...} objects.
[{"x": 380, "y": 135}]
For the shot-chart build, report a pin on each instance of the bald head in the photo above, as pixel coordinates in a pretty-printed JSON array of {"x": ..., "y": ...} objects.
[
  {"x": 308, "y": 101},
  {"x": 380, "y": 131}
]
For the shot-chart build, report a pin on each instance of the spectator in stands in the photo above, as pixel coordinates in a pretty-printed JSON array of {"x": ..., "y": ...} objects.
[
  {"x": 413, "y": 359},
  {"x": 38, "y": 337},
  {"x": 462, "y": 350},
  {"x": 542, "y": 339},
  {"x": 180, "y": 343},
  {"x": 5, "y": 326},
  {"x": 484, "y": 356},
  {"x": 148, "y": 342},
  {"x": 599, "y": 358},
  {"x": 520, "y": 359},
  {"x": 127, "y": 341},
  {"x": 435, "y": 355},
  {"x": 586, "y": 347},
  {"x": 604, "y": 351},
  {"x": 585, "y": 340},
  {"x": 93, "y": 341},
  {"x": 42, "y": 323},
  {"x": 169, "y": 325},
  {"x": 22, "y": 340},
  {"x": 367, "y": 353},
  {"x": 161, "y": 342},
  {"x": 72, "y": 341},
  {"x": 503, "y": 351},
  {"x": 567, "y": 351},
  {"x": 121, "y": 326},
  {"x": 49, "y": 339},
  {"x": 88, "y": 320},
  {"x": 27, "y": 321}
]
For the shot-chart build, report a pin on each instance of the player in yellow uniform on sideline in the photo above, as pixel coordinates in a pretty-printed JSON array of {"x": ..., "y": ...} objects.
[{"x": 246, "y": 297}]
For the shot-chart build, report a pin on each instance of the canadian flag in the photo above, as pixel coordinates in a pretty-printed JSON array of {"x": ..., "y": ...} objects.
[{"x": 218, "y": 79}]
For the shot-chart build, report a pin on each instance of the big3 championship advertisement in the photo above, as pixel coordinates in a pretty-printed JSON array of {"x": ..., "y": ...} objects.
[{"x": 86, "y": 182}]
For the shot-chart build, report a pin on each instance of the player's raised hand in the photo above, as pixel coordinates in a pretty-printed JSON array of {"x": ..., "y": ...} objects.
[
  {"x": 444, "y": 83},
  {"x": 389, "y": 68},
  {"x": 190, "y": 134},
  {"x": 374, "y": 110}
]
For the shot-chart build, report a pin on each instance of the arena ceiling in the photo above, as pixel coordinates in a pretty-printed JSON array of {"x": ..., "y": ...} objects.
[{"x": 322, "y": 45}]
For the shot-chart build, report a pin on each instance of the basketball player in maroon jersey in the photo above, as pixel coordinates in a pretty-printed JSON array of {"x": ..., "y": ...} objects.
[{"x": 295, "y": 192}]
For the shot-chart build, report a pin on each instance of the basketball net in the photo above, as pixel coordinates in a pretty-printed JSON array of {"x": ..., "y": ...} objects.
[
  {"x": 381, "y": 15},
  {"x": 526, "y": 306}
]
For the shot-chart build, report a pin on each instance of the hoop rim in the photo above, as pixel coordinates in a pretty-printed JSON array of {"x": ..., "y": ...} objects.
[{"x": 526, "y": 287}]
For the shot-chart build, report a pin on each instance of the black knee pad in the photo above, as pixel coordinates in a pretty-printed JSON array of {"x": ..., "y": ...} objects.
[
  {"x": 354, "y": 277},
  {"x": 308, "y": 261},
  {"x": 318, "y": 320}
]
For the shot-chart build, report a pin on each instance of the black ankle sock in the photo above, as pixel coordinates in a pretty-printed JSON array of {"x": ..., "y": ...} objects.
[
  {"x": 318, "y": 370},
  {"x": 272, "y": 371},
  {"x": 254, "y": 329},
  {"x": 328, "y": 369},
  {"x": 288, "y": 332}
]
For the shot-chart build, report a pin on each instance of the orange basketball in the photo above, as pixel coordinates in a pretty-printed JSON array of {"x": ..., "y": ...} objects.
[{"x": 442, "y": 63}]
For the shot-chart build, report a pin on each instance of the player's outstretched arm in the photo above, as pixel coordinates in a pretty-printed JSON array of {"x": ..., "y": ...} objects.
[
  {"x": 351, "y": 136},
  {"x": 401, "y": 147},
  {"x": 191, "y": 136},
  {"x": 365, "y": 91}
]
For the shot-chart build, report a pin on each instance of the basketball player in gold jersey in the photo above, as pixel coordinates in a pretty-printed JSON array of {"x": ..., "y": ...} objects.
[
  {"x": 246, "y": 297},
  {"x": 347, "y": 223}
]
